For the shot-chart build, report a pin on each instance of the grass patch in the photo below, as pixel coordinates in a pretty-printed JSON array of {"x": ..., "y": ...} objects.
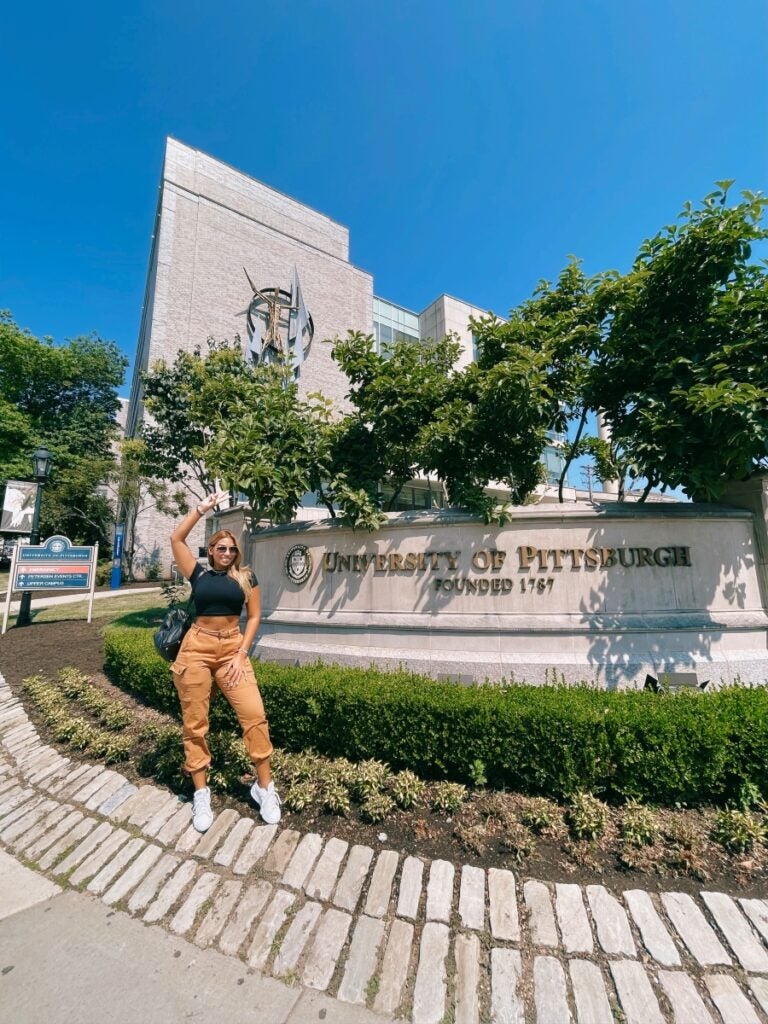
[{"x": 136, "y": 609}]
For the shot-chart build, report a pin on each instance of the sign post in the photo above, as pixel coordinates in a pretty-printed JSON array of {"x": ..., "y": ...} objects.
[{"x": 55, "y": 565}]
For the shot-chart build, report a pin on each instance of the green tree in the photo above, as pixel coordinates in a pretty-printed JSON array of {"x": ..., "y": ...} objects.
[
  {"x": 63, "y": 396},
  {"x": 681, "y": 372},
  {"x": 396, "y": 398},
  {"x": 261, "y": 439},
  {"x": 491, "y": 430},
  {"x": 415, "y": 414},
  {"x": 215, "y": 416},
  {"x": 608, "y": 462},
  {"x": 174, "y": 438},
  {"x": 560, "y": 328},
  {"x": 133, "y": 490},
  {"x": 16, "y": 440}
]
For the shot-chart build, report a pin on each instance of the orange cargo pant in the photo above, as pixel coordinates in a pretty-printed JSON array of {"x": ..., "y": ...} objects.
[{"x": 201, "y": 660}]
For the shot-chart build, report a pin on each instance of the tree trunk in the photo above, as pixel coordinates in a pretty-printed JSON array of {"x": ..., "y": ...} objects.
[
  {"x": 568, "y": 461},
  {"x": 646, "y": 491},
  {"x": 395, "y": 496}
]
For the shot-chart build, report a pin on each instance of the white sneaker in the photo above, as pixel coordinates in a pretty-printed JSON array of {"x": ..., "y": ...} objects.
[
  {"x": 268, "y": 801},
  {"x": 202, "y": 815}
]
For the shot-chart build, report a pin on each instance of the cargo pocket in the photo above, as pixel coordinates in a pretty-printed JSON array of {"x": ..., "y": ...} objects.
[{"x": 178, "y": 668}]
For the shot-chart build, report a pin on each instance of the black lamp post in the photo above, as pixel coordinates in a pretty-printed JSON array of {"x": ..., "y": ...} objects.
[{"x": 41, "y": 467}]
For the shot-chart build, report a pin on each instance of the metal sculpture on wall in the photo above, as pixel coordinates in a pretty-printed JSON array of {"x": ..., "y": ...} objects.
[{"x": 280, "y": 328}]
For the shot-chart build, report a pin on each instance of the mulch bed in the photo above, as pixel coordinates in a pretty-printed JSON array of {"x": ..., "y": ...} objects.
[{"x": 47, "y": 647}]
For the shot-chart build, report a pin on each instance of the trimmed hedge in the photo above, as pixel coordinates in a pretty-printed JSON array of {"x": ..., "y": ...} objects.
[{"x": 688, "y": 749}]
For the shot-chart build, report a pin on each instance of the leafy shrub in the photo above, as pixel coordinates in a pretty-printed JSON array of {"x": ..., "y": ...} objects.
[
  {"x": 587, "y": 816},
  {"x": 74, "y": 730},
  {"x": 164, "y": 760},
  {"x": 344, "y": 771},
  {"x": 448, "y": 796},
  {"x": 110, "y": 748},
  {"x": 687, "y": 749},
  {"x": 376, "y": 806},
  {"x": 131, "y": 659},
  {"x": 738, "y": 831},
  {"x": 477, "y": 775},
  {"x": 406, "y": 788},
  {"x": 750, "y": 796},
  {"x": 72, "y": 681},
  {"x": 518, "y": 840},
  {"x": 540, "y": 814},
  {"x": 638, "y": 825},
  {"x": 300, "y": 794},
  {"x": 335, "y": 797},
  {"x": 47, "y": 698},
  {"x": 229, "y": 761},
  {"x": 108, "y": 711},
  {"x": 368, "y": 778},
  {"x": 103, "y": 572}
]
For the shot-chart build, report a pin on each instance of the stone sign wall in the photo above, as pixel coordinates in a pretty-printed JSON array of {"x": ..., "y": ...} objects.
[{"x": 570, "y": 592}]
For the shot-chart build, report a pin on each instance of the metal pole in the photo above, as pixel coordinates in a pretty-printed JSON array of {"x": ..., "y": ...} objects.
[
  {"x": 587, "y": 472},
  {"x": 23, "y": 618}
]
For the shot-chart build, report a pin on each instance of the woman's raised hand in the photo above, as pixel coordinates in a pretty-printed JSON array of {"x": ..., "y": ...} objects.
[{"x": 211, "y": 501}]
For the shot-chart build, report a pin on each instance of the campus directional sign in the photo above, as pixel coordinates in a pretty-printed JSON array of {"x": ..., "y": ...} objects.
[{"x": 57, "y": 564}]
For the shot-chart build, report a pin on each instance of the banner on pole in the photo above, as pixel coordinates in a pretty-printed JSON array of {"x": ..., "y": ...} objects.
[{"x": 18, "y": 506}]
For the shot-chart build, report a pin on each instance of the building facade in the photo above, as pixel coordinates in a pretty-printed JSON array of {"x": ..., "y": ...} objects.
[{"x": 220, "y": 236}]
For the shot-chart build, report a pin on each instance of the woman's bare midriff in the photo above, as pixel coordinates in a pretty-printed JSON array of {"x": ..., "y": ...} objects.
[{"x": 220, "y": 622}]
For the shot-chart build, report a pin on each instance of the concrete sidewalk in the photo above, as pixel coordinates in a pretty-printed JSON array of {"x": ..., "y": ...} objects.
[
  {"x": 129, "y": 912},
  {"x": 69, "y": 959}
]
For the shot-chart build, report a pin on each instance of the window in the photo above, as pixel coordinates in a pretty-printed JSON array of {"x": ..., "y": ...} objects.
[
  {"x": 393, "y": 323},
  {"x": 553, "y": 463}
]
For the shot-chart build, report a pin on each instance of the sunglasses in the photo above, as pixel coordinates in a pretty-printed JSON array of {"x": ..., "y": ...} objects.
[{"x": 222, "y": 549}]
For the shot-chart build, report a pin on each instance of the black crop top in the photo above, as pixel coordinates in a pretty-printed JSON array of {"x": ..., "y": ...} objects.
[{"x": 215, "y": 593}]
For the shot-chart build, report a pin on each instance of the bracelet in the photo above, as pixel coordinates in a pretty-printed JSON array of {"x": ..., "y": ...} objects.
[
  {"x": 199, "y": 512},
  {"x": 242, "y": 650}
]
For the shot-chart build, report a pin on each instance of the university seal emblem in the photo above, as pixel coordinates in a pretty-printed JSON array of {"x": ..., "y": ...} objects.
[{"x": 298, "y": 564}]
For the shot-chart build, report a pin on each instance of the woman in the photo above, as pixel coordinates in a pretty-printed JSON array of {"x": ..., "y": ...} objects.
[{"x": 215, "y": 649}]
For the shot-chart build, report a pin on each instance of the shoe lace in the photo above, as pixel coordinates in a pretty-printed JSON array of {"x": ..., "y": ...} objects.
[{"x": 271, "y": 794}]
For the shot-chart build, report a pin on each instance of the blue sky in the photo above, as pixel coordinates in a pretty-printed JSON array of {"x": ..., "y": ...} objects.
[{"x": 470, "y": 147}]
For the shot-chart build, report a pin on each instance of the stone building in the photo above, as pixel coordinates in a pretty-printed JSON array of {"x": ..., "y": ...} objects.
[{"x": 215, "y": 228}]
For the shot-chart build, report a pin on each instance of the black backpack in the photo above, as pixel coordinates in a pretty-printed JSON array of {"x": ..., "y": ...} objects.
[{"x": 172, "y": 631}]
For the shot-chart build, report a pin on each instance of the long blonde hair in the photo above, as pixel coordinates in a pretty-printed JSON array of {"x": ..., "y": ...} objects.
[{"x": 241, "y": 574}]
